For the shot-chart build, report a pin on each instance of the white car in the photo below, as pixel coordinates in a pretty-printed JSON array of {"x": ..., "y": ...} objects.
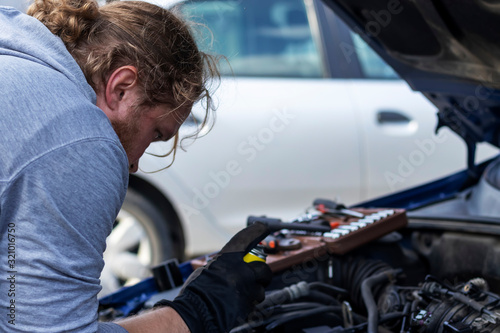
[{"x": 298, "y": 118}]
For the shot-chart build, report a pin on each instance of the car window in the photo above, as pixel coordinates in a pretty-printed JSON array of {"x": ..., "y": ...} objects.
[
  {"x": 372, "y": 65},
  {"x": 258, "y": 37}
]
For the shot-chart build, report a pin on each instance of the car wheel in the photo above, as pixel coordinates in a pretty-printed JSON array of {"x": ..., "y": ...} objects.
[{"x": 140, "y": 238}]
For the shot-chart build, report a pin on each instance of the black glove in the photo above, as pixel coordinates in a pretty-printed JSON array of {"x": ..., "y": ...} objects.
[{"x": 220, "y": 295}]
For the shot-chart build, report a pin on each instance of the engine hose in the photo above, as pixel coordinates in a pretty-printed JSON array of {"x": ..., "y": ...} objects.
[
  {"x": 320, "y": 297},
  {"x": 406, "y": 312},
  {"x": 352, "y": 272},
  {"x": 281, "y": 314},
  {"x": 327, "y": 287},
  {"x": 273, "y": 303},
  {"x": 369, "y": 299},
  {"x": 298, "y": 306},
  {"x": 290, "y": 316},
  {"x": 383, "y": 319},
  {"x": 284, "y": 295}
]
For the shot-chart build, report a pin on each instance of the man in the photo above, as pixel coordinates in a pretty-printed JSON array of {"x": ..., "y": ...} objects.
[{"x": 85, "y": 90}]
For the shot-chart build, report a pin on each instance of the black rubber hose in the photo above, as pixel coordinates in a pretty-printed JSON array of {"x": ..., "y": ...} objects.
[
  {"x": 328, "y": 287},
  {"x": 406, "y": 312},
  {"x": 284, "y": 313},
  {"x": 296, "y": 306},
  {"x": 320, "y": 297},
  {"x": 284, "y": 318},
  {"x": 383, "y": 319},
  {"x": 354, "y": 271},
  {"x": 285, "y": 295},
  {"x": 369, "y": 299}
]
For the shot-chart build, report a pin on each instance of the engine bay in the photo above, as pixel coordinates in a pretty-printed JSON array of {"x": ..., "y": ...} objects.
[
  {"x": 412, "y": 279},
  {"x": 337, "y": 269}
]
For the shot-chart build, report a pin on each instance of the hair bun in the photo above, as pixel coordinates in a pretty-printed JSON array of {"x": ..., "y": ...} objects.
[{"x": 71, "y": 20}]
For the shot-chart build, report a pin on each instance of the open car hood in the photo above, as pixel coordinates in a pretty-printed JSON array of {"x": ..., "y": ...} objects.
[{"x": 447, "y": 49}]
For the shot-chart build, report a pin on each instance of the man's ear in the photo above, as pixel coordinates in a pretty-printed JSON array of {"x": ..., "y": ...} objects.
[{"x": 119, "y": 88}]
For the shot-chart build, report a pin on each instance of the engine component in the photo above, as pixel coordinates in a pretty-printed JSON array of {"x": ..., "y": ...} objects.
[
  {"x": 379, "y": 304},
  {"x": 467, "y": 307}
]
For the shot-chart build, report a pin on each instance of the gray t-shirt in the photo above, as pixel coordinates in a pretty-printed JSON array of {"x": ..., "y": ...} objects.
[{"x": 63, "y": 178}]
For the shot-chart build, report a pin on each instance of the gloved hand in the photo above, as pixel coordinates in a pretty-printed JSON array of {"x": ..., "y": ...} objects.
[{"x": 220, "y": 295}]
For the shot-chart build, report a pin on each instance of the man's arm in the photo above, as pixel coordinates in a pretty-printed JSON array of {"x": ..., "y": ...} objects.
[
  {"x": 61, "y": 207},
  {"x": 158, "y": 320}
]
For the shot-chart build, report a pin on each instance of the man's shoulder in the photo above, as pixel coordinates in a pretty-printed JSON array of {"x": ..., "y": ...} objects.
[{"x": 70, "y": 126}]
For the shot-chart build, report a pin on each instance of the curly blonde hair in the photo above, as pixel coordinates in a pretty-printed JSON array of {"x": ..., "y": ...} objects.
[{"x": 171, "y": 68}]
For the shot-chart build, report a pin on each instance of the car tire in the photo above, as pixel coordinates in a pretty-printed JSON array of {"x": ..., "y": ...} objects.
[{"x": 141, "y": 238}]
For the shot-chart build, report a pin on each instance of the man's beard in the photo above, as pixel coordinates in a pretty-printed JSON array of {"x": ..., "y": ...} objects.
[{"x": 127, "y": 130}]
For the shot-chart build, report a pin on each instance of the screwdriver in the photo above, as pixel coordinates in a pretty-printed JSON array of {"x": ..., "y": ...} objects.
[
  {"x": 329, "y": 206},
  {"x": 276, "y": 224}
]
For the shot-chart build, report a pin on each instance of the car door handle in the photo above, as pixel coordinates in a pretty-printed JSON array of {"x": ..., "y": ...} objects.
[{"x": 392, "y": 117}]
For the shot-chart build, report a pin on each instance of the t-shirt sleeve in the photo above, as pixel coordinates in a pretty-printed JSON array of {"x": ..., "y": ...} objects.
[{"x": 55, "y": 216}]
